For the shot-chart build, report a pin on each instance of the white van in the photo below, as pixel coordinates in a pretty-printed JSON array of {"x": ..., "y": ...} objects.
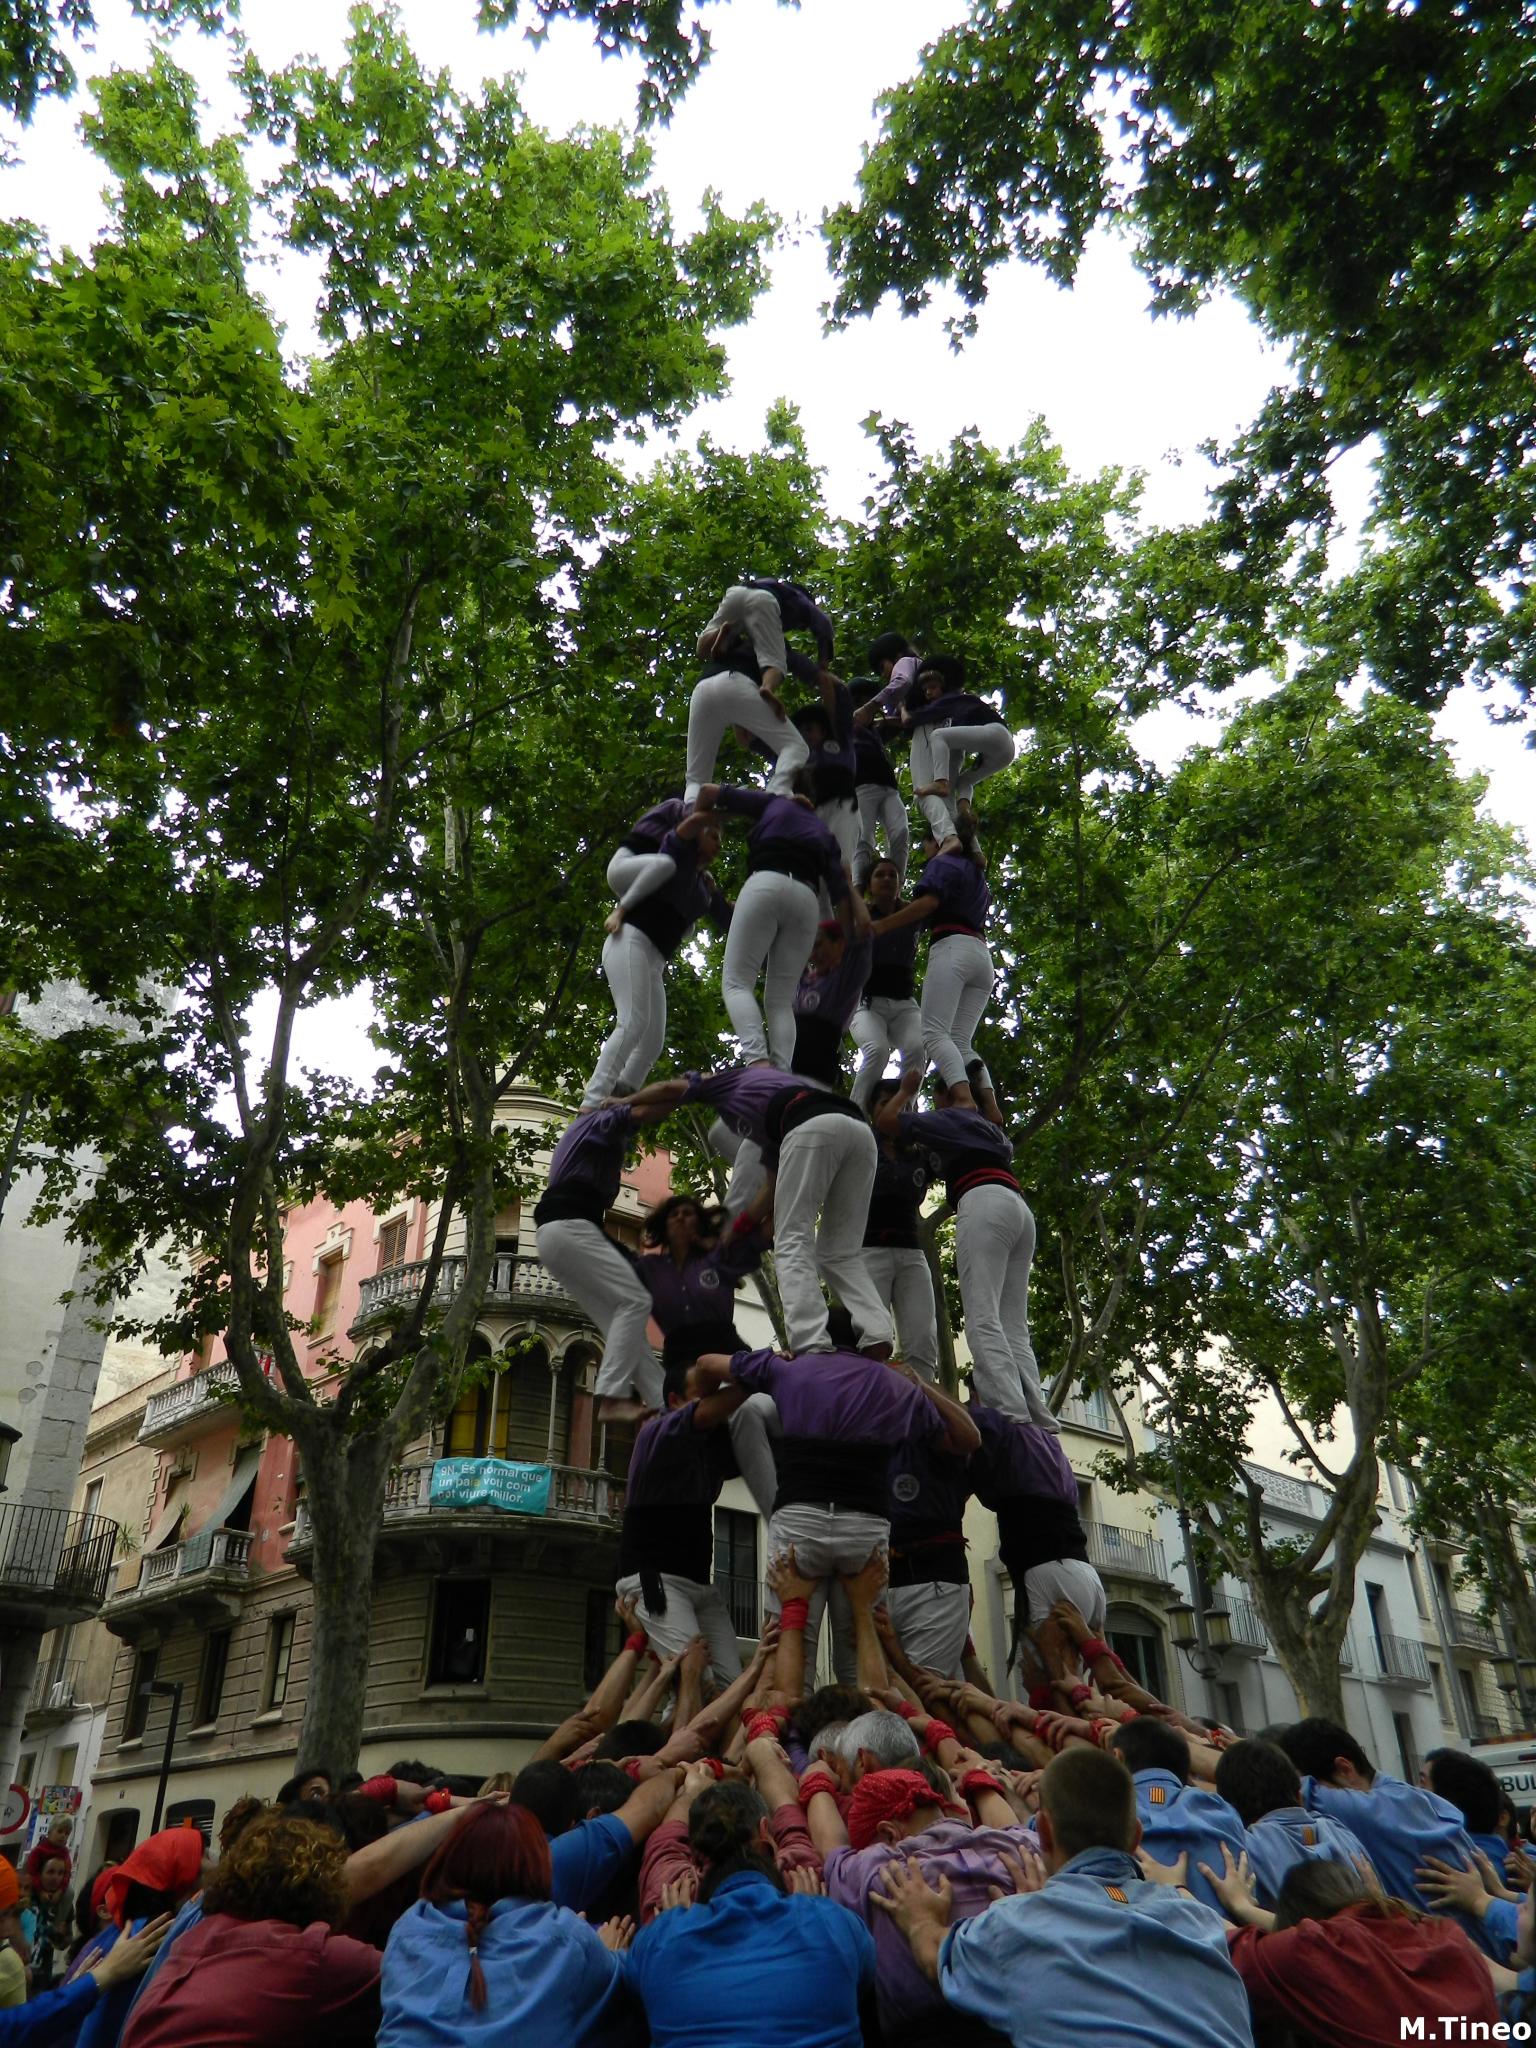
[{"x": 1512, "y": 1759}]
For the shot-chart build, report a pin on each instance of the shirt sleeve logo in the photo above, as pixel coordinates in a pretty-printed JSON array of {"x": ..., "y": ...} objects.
[
  {"x": 708, "y": 1277},
  {"x": 1113, "y": 1891},
  {"x": 1158, "y": 1794}
]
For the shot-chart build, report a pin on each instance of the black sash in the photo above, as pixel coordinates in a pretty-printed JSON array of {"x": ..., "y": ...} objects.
[{"x": 825, "y": 1473}]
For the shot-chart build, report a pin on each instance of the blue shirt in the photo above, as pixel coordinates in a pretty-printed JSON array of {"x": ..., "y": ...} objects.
[
  {"x": 587, "y": 1859},
  {"x": 1400, "y": 1825},
  {"x": 49, "y": 2017},
  {"x": 1175, "y": 1817},
  {"x": 1290, "y": 1835},
  {"x": 1099, "y": 1956},
  {"x": 752, "y": 1969},
  {"x": 189, "y": 1916},
  {"x": 549, "y": 1981}
]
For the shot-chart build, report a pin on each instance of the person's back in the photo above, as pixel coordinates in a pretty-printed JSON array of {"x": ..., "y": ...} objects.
[
  {"x": 752, "y": 1969},
  {"x": 550, "y": 1982},
  {"x": 1099, "y": 1955},
  {"x": 232, "y": 1983},
  {"x": 1177, "y": 1818},
  {"x": 1261, "y": 1784}
]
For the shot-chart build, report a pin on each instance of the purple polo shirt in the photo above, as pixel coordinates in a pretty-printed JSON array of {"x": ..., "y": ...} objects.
[
  {"x": 1018, "y": 1461},
  {"x": 669, "y": 913},
  {"x": 836, "y": 752},
  {"x": 652, "y": 826},
  {"x": 950, "y": 1135},
  {"x": 903, "y": 676},
  {"x": 871, "y": 761},
  {"x": 590, "y": 1157},
  {"x": 956, "y": 707},
  {"x": 961, "y": 888},
  {"x": 972, "y": 1860},
  {"x": 788, "y": 832},
  {"x": 835, "y": 994},
  {"x": 702, "y": 1289},
  {"x": 744, "y": 1097},
  {"x": 840, "y": 1396},
  {"x": 673, "y": 1464}
]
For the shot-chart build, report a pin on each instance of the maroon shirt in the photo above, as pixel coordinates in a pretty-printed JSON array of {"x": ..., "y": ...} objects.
[{"x": 231, "y": 1983}]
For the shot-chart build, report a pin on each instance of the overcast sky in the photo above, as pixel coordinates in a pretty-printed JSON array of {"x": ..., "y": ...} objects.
[{"x": 781, "y": 114}]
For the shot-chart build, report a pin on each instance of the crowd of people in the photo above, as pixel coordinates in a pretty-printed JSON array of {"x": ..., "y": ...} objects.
[{"x": 714, "y": 1852}]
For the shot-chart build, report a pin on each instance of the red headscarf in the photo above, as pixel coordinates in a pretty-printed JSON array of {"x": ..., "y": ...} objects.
[
  {"x": 171, "y": 1861},
  {"x": 886, "y": 1795},
  {"x": 99, "y": 1888}
]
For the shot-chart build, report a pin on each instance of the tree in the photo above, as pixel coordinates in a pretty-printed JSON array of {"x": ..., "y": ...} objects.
[{"x": 269, "y": 629}]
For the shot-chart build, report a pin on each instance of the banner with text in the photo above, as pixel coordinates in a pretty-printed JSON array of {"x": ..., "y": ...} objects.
[{"x": 503, "y": 1483}]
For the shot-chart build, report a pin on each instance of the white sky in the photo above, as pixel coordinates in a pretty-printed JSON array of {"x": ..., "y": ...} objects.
[{"x": 780, "y": 114}]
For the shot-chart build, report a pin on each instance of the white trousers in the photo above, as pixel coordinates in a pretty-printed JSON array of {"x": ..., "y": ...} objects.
[
  {"x": 881, "y": 807},
  {"x": 932, "y": 1621},
  {"x": 634, "y": 876},
  {"x": 773, "y": 929},
  {"x": 902, "y": 1279},
  {"x": 1066, "y": 1578},
  {"x": 636, "y": 975},
  {"x": 691, "y": 1610},
  {"x": 840, "y": 815},
  {"x": 994, "y": 1248},
  {"x": 956, "y": 989},
  {"x": 747, "y": 1170},
  {"x": 826, "y": 1170},
  {"x": 826, "y": 1542},
  {"x": 594, "y": 1272},
  {"x": 752, "y": 1427},
  {"x": 883, "y": 1025},
  {"x": 950, "y": 749},
  {"x": 731, "y": 699}
]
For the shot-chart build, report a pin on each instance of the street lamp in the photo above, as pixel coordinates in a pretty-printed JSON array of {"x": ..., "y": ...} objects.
[{"x": 171, "y": 1689}]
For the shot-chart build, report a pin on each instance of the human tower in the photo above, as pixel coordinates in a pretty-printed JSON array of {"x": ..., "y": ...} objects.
[{"x": 846, "y": 1442}]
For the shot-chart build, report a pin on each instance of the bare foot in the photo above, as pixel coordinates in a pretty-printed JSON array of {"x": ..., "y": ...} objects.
[{"x": 613, "y": 1408}]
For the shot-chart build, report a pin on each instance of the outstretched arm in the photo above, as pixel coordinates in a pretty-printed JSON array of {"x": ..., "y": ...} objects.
[
  {"x": 602, "y": 1709},
  {"x": 864, "y": 1588},
  {"x": 915, "y": 912},
  {"x": 660, "y": 1095}
]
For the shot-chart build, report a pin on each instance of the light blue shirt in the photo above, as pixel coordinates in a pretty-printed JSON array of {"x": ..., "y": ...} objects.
[
  {"x": 753, "y": 1969},
  {"x": 549, "y": 1981},
  {"x": 1101, "y": 1956},
  {"x": 1401, "y": 1824},
  {"x": 1290, "y": 1835},
  {"x": 587, "y": 1859},
  {"x": 1176, "y": 1817}
]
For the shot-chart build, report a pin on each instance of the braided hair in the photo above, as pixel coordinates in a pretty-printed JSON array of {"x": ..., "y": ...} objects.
[{"x": 725, "y": 1833}]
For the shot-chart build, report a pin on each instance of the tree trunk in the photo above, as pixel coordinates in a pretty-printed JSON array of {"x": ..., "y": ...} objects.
[
  {"x": 1510, "y": 1584},
  {"x": 1309, "y": 1657},
  {"x": 346, "y": 1503}
]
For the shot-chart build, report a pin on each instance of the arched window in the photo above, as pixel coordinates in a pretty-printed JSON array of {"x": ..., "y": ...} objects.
[
  {"x": 1137, "y": 1641},
  {"x": 477, "y": 1428}
]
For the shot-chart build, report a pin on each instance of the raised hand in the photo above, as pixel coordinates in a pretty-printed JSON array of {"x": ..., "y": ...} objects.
[
  {"x": 786, "y": 1580},
  {"x": 865, "y": 1586},
  {"x": 805, "y": 1882},
  {"x": 680, "y": 1891},
  {"x": 1165, "y": 1873},
  {"x": 617, "y": 1933}
]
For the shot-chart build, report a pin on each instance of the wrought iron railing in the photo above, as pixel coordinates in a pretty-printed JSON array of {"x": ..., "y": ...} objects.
[
  {"x": 1467, "y": 1632},
  {"x": 50, "y": 1555},
  {"x": 515, "y": 1278},
  {"x": 57, "y": 1688},
  {"x": 1248, "y": 1630},
  {"x": 1130, "y": 1552},
  {"x": 575, "y": 1495},
  {"x": 1402, "y": 1658},
  {"x": 743, "y": 1596}
]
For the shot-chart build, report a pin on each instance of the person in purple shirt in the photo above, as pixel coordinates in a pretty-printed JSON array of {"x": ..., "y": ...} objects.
[
  {"x": 888, "y": 1019},
  {"x": 744, "y": 662},
  {"x": 841, "y": 1415},
  {"x": 953, "y": 900},
  {"x": 681, "y": 1459},
  {"x": 829, "y": 992},
  {"x": 702, "y": 1259},
  {"x": 894, "y": 659},
  {"x": 791, "y": 855},
  {"x": 821, "y": 1154},
  {"x": 928, "y": 1596},
  {"x": 893, "y": 1245},
  {"x": 637, "y": 864},
  {"x": 798, "y": 612},
  {"x": 994, "y": 1242},
  {"x": 654, "y": 917},
  {"x": 826, "y": 726},
  {"x": 879, "y": 799},
  {"x": 967, "y": 742},
  {"x": 1021, "y": 1473},
  {"x": 583, "y": 1185}
]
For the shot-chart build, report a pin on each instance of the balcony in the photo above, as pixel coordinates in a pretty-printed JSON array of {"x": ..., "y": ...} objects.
[
  {"x": 1246, "y": 1633},
  {"x": 55, "y": 1567},
  {"x": 1128, "y": 1553},
  {"x": 1402, "y": 1661},
  {"x": 197, "y": 1582},
  {"x": 189, "y": 1408},
  {"x": 518, "y": 1284},
  {"x": 1281, "y": 1490},
  {"x": 576, "y": 1530},
  {"x": 57, "y": 1693},
  {"x": 1466, "y": 1632}
]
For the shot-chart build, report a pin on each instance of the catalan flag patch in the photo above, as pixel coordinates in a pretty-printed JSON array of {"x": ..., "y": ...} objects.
[
  {"x": 1157, "y": 1795},
  {"x": 1309, "y": 1836},
  {"x": 1113, "y": 1891}
]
